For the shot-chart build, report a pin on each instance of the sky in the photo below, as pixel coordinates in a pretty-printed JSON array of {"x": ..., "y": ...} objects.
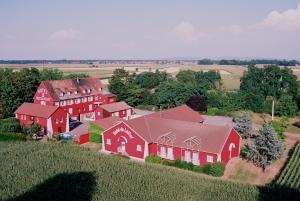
[{"x": 156, "y": 29}]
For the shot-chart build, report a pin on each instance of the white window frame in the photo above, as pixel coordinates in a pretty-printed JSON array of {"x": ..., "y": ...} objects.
[
  {"x": 99, "y": 113},
  {"x": 138, "y": 147},
  {"x": 90, "y": 107},
  {"x": 170, "y": 154},
  {"x": 209, "y": 159},
  {"x": 108, "y": 141},
  {"x": 186, "y": 154},
  {"x": 70, "y": 102},
  {"x": 116, "y": 114},
  {"x": 163, "y": 152},
  {"x": 84, "y": 99},
  {"x": 70, "y": 110},
  {"x": 63, "y": 103},
  {"x": 90, "y": 98},
  {"x": 195, "y": 158},
  {"x": 77, "y": 100}
]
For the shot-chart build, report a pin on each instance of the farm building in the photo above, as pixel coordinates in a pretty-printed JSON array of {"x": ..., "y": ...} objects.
[
  {"x": 52, "y": 119},
  {"x": 172, "y": 134},
  {"x": 78, "y": 97},
  {"x": 81, "y": 133},
  {"x": 108, "y": 122},
  {"x": 117, "y": 109}
]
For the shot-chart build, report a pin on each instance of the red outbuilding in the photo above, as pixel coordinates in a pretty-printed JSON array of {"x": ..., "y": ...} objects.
[
  {"x": 78, "y": 97},
  {"x": 81, "y": 133},
  {"x": 172, "y": 134},
  {"x": 52, "y": 119},
  {"x": 118, "y": 109}
]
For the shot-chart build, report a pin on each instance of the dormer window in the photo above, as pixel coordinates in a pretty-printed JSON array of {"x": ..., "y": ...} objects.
[
  {"x": 75, "y": 92},
  {"x": 83, "y": 91},
  {"x": 100, "y": 89},
  {"x": 62, "y": 94},
  {"x": 89, "y": 90},
  {"x": 69, "y": 93}
]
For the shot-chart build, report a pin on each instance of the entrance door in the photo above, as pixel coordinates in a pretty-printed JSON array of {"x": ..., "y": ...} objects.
[
  {"x": 195, "y": 159},
  {"x": 123, "y": 147}
]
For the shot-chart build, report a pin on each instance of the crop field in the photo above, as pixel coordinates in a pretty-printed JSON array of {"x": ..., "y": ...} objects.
[
  {"x": 290, "y": 176},
  {"x": 50, "y": 171}
]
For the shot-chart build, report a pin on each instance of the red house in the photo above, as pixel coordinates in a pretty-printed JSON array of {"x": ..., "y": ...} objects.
[
  {"x": 172, "y": 138},
  {"x": 52, "y": 119},
  {"x": 78, "y": 97},
  {"x": 118, "y": 109}
]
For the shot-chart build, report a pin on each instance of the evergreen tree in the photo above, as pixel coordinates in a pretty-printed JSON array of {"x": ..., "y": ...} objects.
[
  {"x": 266, "y": 148},
  {"x": 243, "y": 125}
]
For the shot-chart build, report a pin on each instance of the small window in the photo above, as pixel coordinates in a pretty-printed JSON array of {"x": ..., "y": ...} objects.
[
  {"x": 210, "y": 159},
  {"x": 62, "y": 94},
  {"x": 56, "y": 120},
  {"x": 84, "y": 100},
  {"x": 108, "y": 142},
  {"x": 139, "y": 148},
  {"x": 37, "y": 120},
  {"x": 100, "y": 89},
  {"x": 90, "y": 98},
  {"x": 75, "y": 92},
  {"x": 99, "y": 113},
  {"x": 90, "y": 107},
  {"x": 163, "y": 152},
  {"x": 61, "y": 119},
  {"x": 83, "y": 91},
  {"x": 24, "y": 117},
  {"x": 70, "y": 110},
  {"x": 70, "y": 102},
  {"x": 187, "y": 156},
  {"x": 31, "y": 118},
  {"x": 69, "y": 93},
  {"x": 77, "y": 101}
]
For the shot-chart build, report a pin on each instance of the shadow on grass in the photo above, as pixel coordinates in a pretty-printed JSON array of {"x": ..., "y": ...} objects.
[
  {"x": 77, "y": 186},
  {"x": 278, "y": 193}
]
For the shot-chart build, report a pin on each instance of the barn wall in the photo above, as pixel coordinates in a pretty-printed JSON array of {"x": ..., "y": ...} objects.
[
  {"x": 122, "y": 133},
  {"x": 59, "y": 113},
  {"x": 232, "y": 138},
  {"x": 42, "y": 95}
]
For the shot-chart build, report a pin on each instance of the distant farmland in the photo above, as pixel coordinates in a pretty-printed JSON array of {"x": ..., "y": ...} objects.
[{"x": 230, "y": 74}]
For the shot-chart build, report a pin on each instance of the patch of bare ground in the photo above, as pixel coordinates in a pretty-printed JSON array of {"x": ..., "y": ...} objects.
[{"x": 240, "y": 170}]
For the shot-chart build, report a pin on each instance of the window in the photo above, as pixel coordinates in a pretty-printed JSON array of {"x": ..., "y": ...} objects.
[
  {"x": 108, "y": 142},
  {"x": 75, "y": 92},
  {"x": 83, "y": 91},
  {"x": 24, "y": 117},
  {"x": 163, "y": 152},
  {"x": 170, "y": 153},
  {"x": 90, "y": 107},
  {"x": 57, "y": 104},
  {"x": 62, "y": 94},
  {"x": 210, "y": 159},
  {"x": 100, "y": 89},
  {"x": 138, "y": 147},
  {"x": 61, "y": 120},
  {"x": 70, "y": 102},
  {"x": 62, "y": 103},
  {"x": 116, "y": 114},
  {"x": 37, "y": 120},
  {"x": 96, "y": 98},
  {"x": 77, "y": 100},
  {"x": 84, "y": 100},
  {"x": 70, "y": 110},
  {"x": 124, "y": 111},
  {"x": 90, "y": 98},
  {"x": 56, "y": 120},
  {"x": 89, "y": 90},
  {"x": 99, "y": 113},
  {"x": 69, "y": 93},
  {"x": 195, "y": 159},
  {"x": 43, "y": 103},
  {"x": 111, "y": 100},
  {"x": 31, "y": 118},
  {"x": 187, "y": 156}
]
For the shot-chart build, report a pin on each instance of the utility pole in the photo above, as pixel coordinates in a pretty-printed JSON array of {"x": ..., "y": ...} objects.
[{"x": 273, "y": 104}]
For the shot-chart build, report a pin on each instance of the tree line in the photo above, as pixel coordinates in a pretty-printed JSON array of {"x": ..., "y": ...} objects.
[
  {"x": 249, "y": 62},
  {"x": 17, "y": 87},
  {"x": 258, "y": 89}
]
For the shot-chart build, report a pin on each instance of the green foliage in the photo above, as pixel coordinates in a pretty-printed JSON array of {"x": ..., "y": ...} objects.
[
  {"x": 150, "y": 80},
  {"x": 198, "y": 169},
  {"x": 243, "y": 124},
  {"x": 258, "y": 83},
  {"x": 51, "y": 74},
  {"x": 114, "y": 178},
  {"x": 267, "y": 105},
  {"x": 182, "y": 164},
  {"x": 279, "y": 128},
  {"x": 74, "y": 76},
  {"x": 207, "y": 168},
  {"x": 266, "y": 148},
  {"x": 9, "y": 125},
  {"x": 213, "y": 111},
  {"x": 153, "y": 159},
  {"x": 32, "y": 130},
  {"x": 217, "y": 169},
  {"x": 286, "y": 106},
  {"x": 243, "y": 152},
  {"x": 6, "y": 136},
  {"x": 95, "y": 133},
  {"x": 290, "y": 176}
]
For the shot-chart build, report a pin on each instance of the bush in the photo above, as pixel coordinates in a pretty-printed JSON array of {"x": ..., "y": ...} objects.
[
  {"x": 217, "y": 169},
  {"x": 243, "y": 152},
  {"x": 213, "y": 111},
  {"x": 9, "y": 125},
  {"x": 182, "y": 164},
  {"x": 12, "y": 137},
  {"x": 279, "y": 128},
  {"x": 207, "y": 169},
  {"x": 153, "y": 159},
  {"x": 198, "y": 169}
]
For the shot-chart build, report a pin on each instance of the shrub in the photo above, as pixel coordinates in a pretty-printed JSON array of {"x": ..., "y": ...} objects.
[
  {"x": 207, "y": 169},
  {"x": 153, "y": 159},
  {"x": 279, "y": 128},
  {"x": 182, "y": 164},
  {"x": 198, "y": 169},
  {"x": 243, "y": 152},
  {"x": 12, "y": 137},
  {"x": 9, "y": 125},
  {"x": 217, "y": 169}
]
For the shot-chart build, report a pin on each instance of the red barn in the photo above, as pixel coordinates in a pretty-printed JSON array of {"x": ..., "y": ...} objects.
[
  {"x": 52, "y": 119},
  {"x": 118, "y": 109},
  {"x": 172, "y": 139},
  {"x": 78, "y": 97}
]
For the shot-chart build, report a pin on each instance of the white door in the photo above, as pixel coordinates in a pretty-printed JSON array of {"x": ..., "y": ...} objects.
[
  {"x": 187, "y": 156},
  {"x": 170, "y": 153},
  {"x": 123, "y": 147},
  {"x": 195, "y": 159}
]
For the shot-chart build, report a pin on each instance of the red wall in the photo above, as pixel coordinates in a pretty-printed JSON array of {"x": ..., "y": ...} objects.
[
  {"x": 117, "y": 136},
  {"x": 84, "y": 138},
  {"x": 36, "y": 120},
  {"x": 62, "y": 125},
  {"x": 232, "y": 138},
  {"x": 105, "y": 114},
  {"x": 42, "y": 94}
]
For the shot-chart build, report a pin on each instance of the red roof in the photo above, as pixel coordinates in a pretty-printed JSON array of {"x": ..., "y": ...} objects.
[
  {"x": 117, "y": 106},
  {"x": 108, "y": 122},
  {"x": 211, "y": 138},
  {"x": 83, "y": 87},
  {"x": 36, "y": 110},
  {"x": 183, "y": 113}
]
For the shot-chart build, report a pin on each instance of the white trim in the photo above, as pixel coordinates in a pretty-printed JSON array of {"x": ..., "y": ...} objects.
[
  {"x": 49, "y": 127},
  {"x": 146, "y": 151},
  {"x": 67, "y": 123},
  {"x": 219, "y": 157}
]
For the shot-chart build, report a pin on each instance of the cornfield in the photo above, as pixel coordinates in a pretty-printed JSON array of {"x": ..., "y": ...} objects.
[
  {"x": 49, "y": 171},
  {"x": 290, "y": 176}
]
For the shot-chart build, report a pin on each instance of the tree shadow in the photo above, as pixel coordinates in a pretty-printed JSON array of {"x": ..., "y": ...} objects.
[
  {"x": 276, "y": 192},
  {"x": 77, "y": 186}
]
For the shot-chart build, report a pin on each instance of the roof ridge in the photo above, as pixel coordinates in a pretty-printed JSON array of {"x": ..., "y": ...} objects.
[{"x": 148, "y": 129}]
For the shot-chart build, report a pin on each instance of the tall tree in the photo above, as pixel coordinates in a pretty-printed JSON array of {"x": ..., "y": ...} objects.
[
  {"x": 51, "y": 74},
  {"x": 243, "y": 125}
]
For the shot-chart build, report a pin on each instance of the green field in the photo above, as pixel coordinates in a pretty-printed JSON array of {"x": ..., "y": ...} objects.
[
  {"x": 290, "y": 176},
  {"x": 50, "y": 171}
]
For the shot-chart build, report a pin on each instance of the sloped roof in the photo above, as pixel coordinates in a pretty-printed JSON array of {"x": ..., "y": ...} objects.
[
  {"x": 183, "y": 113},
  {"x": 55, "y": 87},
  {"x": 211, "y": 137},
  {"x": 36, "y": 110},
  {"x": 114, "y": 107},
  {"x": 108, "y": 122}
]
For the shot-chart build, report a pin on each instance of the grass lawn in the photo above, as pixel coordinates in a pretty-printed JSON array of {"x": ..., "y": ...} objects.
[
  {"x": 95, "y": 133},
  {"x": 49, "y": 171}
]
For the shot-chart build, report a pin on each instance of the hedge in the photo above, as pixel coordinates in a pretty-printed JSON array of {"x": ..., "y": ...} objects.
[
  {"x": 12, "y": 137},
  {"x": 9, "y": 125}
]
